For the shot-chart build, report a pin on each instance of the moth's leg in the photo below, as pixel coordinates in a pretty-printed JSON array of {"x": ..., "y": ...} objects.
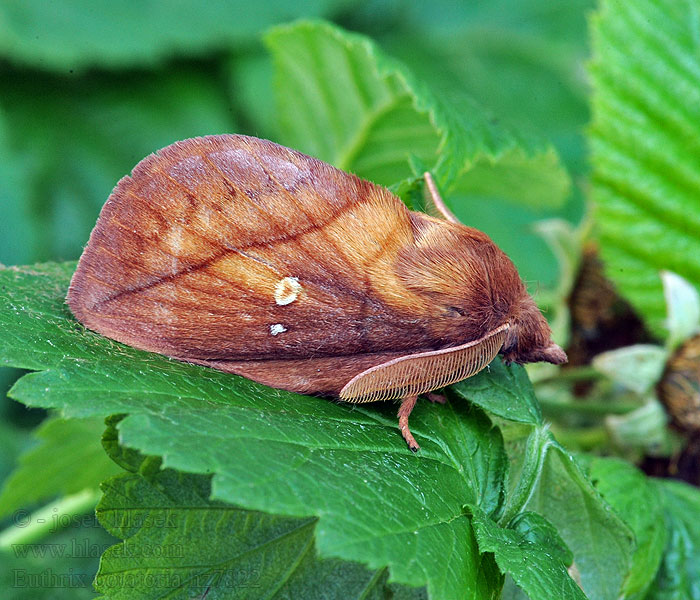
[
  {"x": 405, "y": 409},
  {"x": 439, "y": 398},
  {"x": 433, "y": 196}
]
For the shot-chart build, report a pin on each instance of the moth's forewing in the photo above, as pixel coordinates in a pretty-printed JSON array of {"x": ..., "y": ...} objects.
[
  {"x": 424, "y": 372},
  {"x": 229, "y": 247}
]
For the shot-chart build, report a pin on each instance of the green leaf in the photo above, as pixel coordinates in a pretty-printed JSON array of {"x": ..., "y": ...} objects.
[
  {"x": 521, "y": 58},
  {"x": 602, "y": 544},
  {"x": 536, "y": 529},
  {"x": 76, "y": 34},
  {"x": 112, "y": 122},
  {"x": 638, "y": 502},
  {"x": 532, "y": 565},
  {"x": 269, "y": 450},
  {"x": 550, "y": 483},
  {"x": 335, "y": 104},
  {"x": 503, "y": 391},
  {"x": 68, "y": 459},
  {"x": 341, "y": 99},
  {"x": 277, "y": 452},
  {"x": 644, "y": 139},
  {"x": 679, "y": 575},
  {"x": 127, "y": 458},
  {"x": 188, "y": 545},
  {"x": 61, "y": 566}
]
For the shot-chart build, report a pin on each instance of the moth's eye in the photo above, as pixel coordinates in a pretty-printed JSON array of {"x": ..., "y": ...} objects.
[{"x": 455, "y": 311}]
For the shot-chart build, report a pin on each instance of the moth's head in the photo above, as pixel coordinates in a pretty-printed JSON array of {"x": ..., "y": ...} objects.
[{"x": 529, "y": 338}]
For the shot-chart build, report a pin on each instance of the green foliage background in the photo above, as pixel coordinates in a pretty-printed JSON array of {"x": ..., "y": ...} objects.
[{"x": 493, "y": 97}]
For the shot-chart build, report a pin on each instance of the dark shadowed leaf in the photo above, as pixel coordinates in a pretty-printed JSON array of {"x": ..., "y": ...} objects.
[
  {"x": 67, "y": 460},
  {"x": 186, "y": 545},
  {"x": 76, "y": 34}
]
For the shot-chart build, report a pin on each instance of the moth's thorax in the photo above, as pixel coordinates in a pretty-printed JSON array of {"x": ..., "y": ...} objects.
[{"x": 469, "y": 284}]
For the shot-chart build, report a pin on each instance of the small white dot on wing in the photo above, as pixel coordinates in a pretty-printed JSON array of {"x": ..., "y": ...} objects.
[{"x": 277, "y": 328}]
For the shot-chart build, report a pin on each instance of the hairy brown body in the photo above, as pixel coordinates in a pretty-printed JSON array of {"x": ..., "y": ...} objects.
[{"x": 239, "y": 254}]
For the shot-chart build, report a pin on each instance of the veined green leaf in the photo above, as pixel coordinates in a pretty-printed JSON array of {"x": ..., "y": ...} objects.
[
  {"x": 644, "y": 140},
  {"x": 521, "y": 58},
  {"x": 635, "y": 499},
  {"x": 503, "y": 391},
  {"x": 600, "y": 541},
  {"x": 343, "y": 100},
  {"x": 179, "y": 543},
  {"x": 533, "y": 566},
  {"x": 375, "y": 501},
  {"x": 538, "y": 530},
  {"x": 347, "y": 466}
]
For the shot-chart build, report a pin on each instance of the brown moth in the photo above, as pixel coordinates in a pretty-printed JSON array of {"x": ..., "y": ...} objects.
[{"x": 245, "y": 256}]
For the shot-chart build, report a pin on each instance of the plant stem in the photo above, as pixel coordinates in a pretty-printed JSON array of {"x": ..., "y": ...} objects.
[
  {"x": 29, "y": 527},
  {"x": 572, "y": 374},
  {"x": 586, "y": 438},
  {"x": 585, "y": 407}
]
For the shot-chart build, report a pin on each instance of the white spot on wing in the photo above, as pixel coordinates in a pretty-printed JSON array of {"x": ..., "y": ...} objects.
[
  {"x": 277, "y": 328},
  {"x": 287, "y": 290}
]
